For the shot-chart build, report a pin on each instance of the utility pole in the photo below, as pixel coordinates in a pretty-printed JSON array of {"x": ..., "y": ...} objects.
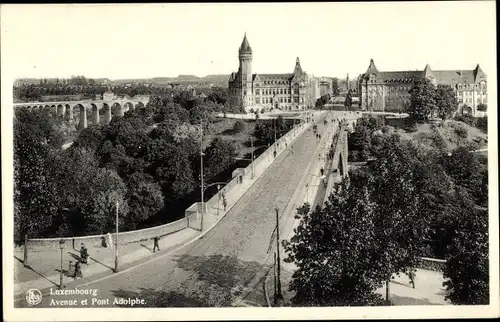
[
  {"x": 116, "y": 240},
  {"x": 201, "y": 173},
  {"x": 278, "y": 299}
]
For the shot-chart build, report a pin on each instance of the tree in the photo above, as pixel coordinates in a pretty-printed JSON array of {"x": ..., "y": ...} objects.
[
  {"x": 35, "y": 186},
  {"x": 239, "y": 126},
  {"x": 218, "y": 95},
  {"x": 467, "y": 266},
  {"x": 423, "y": 100},
  {"x": 482, "y": 107},
  {"x": 348, "y": 100},
  {"x": 446, "y": 101},
  {"x": 144, "y": 198},
  {"x": 218, "y": 157},
  {"x": 334, "y": 249}
]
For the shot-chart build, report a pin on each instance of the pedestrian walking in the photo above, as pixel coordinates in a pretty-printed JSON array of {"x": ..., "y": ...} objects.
[
  {"x": 84, "y": 255},
  {"x": 110, "y": 240},
  {"x": 155, "y": 243},
  {"x": 411, "y": 274},
  {"x": 321, "y": 171},
  {"x": 103, "y": 242}
]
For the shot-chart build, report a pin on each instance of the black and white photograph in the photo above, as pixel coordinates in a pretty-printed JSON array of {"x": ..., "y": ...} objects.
[{"x": 261, "y": 160}]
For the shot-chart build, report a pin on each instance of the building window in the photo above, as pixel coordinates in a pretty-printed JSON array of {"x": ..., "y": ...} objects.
[
  {"x": 257, "y": 92},
  {"x": 257, "y": 100}
]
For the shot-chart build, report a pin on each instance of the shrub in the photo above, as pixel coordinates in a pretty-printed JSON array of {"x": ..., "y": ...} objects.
[
  {"x": 239, "y": 126},
  {"x": 466, "y": 118},
  {"x": 482, "y": 123},
  {"x": 461, "y": 131},
  {"x": 482, "y": 107}
]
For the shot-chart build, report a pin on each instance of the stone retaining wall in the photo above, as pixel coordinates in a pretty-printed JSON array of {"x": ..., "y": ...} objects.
[{"x": 432, "y": 264}]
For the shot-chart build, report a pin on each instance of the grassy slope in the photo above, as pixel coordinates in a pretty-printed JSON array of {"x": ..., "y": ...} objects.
[{"x": 426, "y": 133}]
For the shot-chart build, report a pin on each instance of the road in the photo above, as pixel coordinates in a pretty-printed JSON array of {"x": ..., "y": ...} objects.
[{"x": 222, "y": 266}]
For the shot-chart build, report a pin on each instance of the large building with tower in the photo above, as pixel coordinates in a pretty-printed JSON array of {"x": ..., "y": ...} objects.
[
  {"x": 389, "y": 91},
  {"x": 294, "y": 91}
]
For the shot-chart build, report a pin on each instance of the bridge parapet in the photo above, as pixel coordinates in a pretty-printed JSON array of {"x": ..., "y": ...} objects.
[{"x": 339, "y": 165}]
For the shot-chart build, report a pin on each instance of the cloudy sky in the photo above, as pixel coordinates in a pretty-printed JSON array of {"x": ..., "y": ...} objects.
[{"x": 331, "y": 39}]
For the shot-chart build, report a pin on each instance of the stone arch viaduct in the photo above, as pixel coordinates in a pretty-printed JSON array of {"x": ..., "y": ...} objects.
[{"x": 96, "y": 110}]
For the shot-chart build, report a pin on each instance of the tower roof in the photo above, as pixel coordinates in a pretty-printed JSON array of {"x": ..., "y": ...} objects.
[
  {"x": 478, "y": 74},
  {"x": 298, "y": 68},
  {"x": 428, "y": 73},
  {"x": 372, "y": 69},
  {"x": 245, "y": 46}
]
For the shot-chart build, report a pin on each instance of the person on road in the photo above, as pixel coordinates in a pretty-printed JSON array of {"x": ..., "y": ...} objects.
[
  {"x": 103, "y": 242},
  {"x": 321, "y": 171},
  {"x": 84, "y": 255},
  {"x": 110, "y": 240},
  {"x": 156, "y": 240},
  {"x": 411, "y": 274}
]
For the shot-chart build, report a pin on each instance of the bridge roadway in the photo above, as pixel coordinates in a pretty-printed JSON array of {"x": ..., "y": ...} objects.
[{"x": 230, "y": 260}]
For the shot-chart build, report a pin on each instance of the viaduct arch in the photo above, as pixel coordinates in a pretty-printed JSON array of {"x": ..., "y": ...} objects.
[{"x": 88, "y": 111}]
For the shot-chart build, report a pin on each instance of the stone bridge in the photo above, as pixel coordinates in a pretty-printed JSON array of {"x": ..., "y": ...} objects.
[{"x": 85, "y": 109}]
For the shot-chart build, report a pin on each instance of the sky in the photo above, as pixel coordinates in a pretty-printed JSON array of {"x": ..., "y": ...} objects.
[{"x": 165, "y": 40}]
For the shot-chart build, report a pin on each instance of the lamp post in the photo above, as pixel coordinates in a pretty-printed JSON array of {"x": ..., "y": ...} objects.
[
  {"x": 218, "y": 198},
  {"x": 278, "y": 297},
  {"x": 275, "y": 138},
  {"x": 61, "y": 247},
  {"x": 116, "y": 239},
  {"x": 201, "y": 173}
]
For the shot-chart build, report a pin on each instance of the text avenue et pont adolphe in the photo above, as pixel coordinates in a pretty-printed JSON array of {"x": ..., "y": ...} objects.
[{"x": 78, "y": 297}]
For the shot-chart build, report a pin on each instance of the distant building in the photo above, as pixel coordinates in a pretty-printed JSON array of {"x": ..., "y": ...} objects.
[
  {"x": 389, "y": 91},
  {"x": 294, "y": 91},
  {"x": 108, "y": 95}
]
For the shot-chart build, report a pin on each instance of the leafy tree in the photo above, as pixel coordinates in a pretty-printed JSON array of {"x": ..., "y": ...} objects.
[
  {"x": 446, "y": 101},
  {"x": 219, "y": 156},
  {"x": 35, "y": 186},
  {"x": 144, "y": 198},
  {"x": 239, "y": 126},
  {"x": 467, "y": 266},
  {"x": 468, "y": 172},
  {"x": 334, "y": 249},
  {"x": 423, "y": 100},
  {"x": 218, "y": 95},
  {"x": 482, "y": 124},
  {"x": 400, "y": 226},
  {"x": 264, "y": 131},
  {"x": 482, "y": 107}
]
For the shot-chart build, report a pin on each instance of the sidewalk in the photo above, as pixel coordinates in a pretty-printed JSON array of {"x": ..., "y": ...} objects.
[
  {"x": 44, "y": 270},
  {"x": 428, "y": 289}
]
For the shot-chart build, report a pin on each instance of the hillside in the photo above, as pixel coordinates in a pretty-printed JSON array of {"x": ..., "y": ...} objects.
[{"x": 450, "y": 135}]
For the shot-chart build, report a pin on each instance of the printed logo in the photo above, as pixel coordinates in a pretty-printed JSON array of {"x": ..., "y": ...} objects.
[{"x": 33, "y": 296}]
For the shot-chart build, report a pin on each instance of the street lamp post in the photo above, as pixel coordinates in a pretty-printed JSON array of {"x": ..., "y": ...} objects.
[
  {"x": 278, "y": 298},
  {"x": 116, "y": 239},
  {"x": 61, "y": 247},
  {"x": 218, "y": 198},
  {"x": 201, "y": 174}
]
